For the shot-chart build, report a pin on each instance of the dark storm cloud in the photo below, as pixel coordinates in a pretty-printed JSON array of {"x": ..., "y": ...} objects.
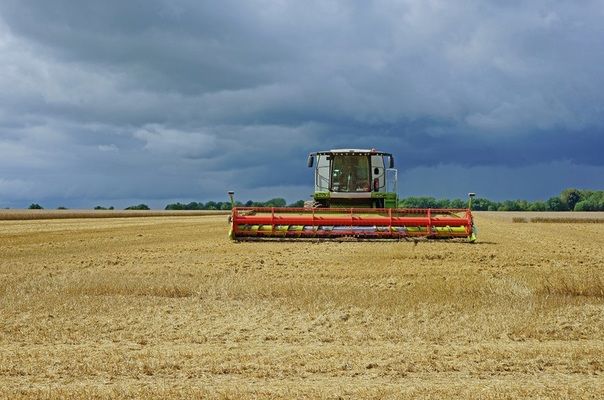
[{"x": 186, "y": 99}]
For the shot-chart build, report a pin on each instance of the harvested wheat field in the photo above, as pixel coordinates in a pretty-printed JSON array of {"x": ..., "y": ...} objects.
[{"x": 168, "y": 307}]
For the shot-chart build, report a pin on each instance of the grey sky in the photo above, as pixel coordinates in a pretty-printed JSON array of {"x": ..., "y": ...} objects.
[{"x": 158, "y": 101}]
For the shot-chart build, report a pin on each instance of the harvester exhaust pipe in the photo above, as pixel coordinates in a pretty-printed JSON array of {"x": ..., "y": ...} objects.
[
  {"x": 231, "y": 231},
  {"x": 472, "y": 237},
  {"x": 232, "y": 197},
  {"x": 471, "y": 195}
]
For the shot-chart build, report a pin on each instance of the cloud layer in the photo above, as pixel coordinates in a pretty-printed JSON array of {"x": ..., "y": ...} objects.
[{"x": 160, "y": 100}]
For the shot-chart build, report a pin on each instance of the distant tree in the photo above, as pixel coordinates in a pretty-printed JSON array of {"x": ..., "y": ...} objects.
[
  {"x": 556, "y": 204},
  {"x": 175, "y": 206},
  {"x": 538, "y": 206},
  {"x": 61, "y": 208},
  {"x": 482, "y": 204},
  {"x": 508, "y": 205},
  {"x": 514, "y": 205},
  {"x": 297, "y": 204},
  {"x": 194, "y": 206},
  {"x": 443, "y": 203},
  {"x": 111, "y": 208},
  {"x": 570, "y": 197},
  {"x": 591, "y": 204},
  {"x": 100, "y": 208},
  {"x": 35, "y": 206},
  {"x": 138, "y": 207},
  {"x": 458, "y": 203},
  {"x": 210, "y": 205},
  {"x": 585, "y": 205},
  {"x": 523, "y": 205},
  {"x": 276, "y": 202},
  {"x": 418, "y": 202}
]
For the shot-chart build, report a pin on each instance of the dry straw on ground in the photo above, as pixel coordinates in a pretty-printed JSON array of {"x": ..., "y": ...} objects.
[
  {"x": 562, "y": 220},
  {"x": 16, "y": 215},
  {"x": 170, "y": 308}
]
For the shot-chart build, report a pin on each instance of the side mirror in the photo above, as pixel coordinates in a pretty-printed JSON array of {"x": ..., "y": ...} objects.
[
  {"x": 310, "y": 161},
  {"x": 391, "y": 161}
]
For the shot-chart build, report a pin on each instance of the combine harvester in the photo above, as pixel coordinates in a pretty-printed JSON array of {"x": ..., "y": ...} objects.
[{"x": 355, "y": 197}]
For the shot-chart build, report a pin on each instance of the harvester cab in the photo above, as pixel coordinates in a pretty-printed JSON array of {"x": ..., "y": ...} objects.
[
  {"x": 355, "y": 196},
  {"x": 354, "y": 178}
]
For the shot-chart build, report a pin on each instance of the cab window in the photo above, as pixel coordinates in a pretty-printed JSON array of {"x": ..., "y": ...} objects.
[{"x": 350, "y": 173}]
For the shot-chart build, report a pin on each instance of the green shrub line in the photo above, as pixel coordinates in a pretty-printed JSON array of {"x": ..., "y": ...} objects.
[{"x": 569, "y": 200}]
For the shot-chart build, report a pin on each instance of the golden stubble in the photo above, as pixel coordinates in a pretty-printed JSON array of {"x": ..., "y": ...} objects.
[{"x": 170, "y": 308}]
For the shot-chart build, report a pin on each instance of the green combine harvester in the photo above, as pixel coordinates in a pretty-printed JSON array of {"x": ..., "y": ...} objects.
[{"x": 355, "y": 196}]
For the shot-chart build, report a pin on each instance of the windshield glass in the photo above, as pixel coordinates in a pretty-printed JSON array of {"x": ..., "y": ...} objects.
[{"x": 350, "y": 173}]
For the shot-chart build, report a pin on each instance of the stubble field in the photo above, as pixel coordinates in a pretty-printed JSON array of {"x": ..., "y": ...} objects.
[{"x": 168, "y": 307}]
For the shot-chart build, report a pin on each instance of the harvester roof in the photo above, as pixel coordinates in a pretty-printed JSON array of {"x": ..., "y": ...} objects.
[{"x": 352, "y": 152}]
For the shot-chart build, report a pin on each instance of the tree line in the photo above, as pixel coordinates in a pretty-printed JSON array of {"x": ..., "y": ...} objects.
[
  {"x": 568, "y": 200},
  {"x": 226, "y": 205},
  {"x": 36, "y": 206}
]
